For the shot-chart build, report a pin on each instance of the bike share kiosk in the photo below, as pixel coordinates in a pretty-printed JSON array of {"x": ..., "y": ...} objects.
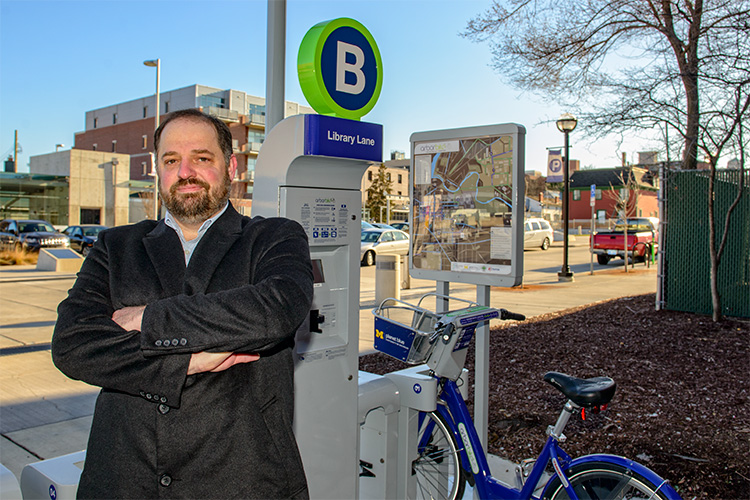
[
  {"x": 310, "y": 169},
  {"x": 297, "y": 177}
]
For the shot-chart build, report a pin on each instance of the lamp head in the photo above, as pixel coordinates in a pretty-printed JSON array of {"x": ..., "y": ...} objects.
[
  {"x": 566, "y": 123},
  {"x": 152, "y": 63}
]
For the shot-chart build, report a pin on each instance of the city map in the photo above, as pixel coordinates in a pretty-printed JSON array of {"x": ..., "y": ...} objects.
[{"x": 462, "y": 195}]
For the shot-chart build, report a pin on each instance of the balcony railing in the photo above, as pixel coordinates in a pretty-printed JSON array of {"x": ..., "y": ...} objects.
[{"x": 225, "y": 115}]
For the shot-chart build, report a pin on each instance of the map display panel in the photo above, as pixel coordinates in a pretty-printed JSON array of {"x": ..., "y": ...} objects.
[{"x": 462, "y": 210}]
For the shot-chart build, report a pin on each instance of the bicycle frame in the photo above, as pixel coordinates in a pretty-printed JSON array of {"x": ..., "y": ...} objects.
[{"x": 474, "y": 460}]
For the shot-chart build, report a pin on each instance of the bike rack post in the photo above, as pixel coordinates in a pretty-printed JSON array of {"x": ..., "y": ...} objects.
[
  {"x": 379, "y": 405},
  {"x": 418, "y": 392}
]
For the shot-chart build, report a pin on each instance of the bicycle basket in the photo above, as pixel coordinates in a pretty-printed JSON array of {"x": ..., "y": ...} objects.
[{"x": 411, "y": 344}]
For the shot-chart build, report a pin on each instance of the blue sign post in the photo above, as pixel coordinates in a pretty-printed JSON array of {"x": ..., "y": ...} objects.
[{"x": 593, "y": 227}]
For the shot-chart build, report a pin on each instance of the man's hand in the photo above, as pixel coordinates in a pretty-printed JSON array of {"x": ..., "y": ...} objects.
[
  {"x": 202, "y": 362},
  {"x": 129, "y": 318}
]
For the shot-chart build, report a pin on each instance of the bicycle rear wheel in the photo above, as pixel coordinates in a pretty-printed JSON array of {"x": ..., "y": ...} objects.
[
  {"x": 604, "y": 480},
  {"x": 437, "y": 469}
]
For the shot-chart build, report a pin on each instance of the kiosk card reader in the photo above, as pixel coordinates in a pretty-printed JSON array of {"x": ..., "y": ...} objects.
[{"x": 310, "y": 169}]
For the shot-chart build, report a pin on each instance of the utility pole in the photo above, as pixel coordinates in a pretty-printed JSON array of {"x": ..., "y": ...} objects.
[{"x": 15, "y": 152}]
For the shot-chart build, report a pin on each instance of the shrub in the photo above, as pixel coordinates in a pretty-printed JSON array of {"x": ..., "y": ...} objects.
[{"x": 17, "y": 257}]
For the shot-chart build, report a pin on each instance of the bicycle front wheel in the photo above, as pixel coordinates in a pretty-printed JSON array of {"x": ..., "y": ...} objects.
[
  {"x": 437, "y": 469},
  {"x": 604, "y": 480}
]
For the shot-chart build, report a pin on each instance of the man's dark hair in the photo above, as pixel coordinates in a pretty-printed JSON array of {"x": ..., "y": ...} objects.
[{"x": 222, "y": 131}]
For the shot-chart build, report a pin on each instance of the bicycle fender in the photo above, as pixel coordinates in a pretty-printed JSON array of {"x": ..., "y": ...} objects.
[{"x": 665, "y": 488}]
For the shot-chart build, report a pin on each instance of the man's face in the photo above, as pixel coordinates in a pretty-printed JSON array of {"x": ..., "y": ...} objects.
[{"x": 194, "y": 179}]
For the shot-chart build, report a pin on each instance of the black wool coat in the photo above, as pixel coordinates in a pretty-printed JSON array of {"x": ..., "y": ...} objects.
[{"x": 157, "y": 432}]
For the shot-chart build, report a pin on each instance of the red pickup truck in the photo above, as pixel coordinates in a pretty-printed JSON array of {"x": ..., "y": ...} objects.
[{"x": 641, "y": 240}]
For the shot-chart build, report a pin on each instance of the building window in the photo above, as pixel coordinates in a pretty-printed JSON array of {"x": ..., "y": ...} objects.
[
  {"x": 166, "y": 106},
  {"x": 91, "y": 216},
  {"x": 96, "y": 121},
  {"x": 144, "y": 168},
  {"x": 256, "y": 136},
  {"x": 114, "y": 118},
  {"x": 388, "y": 177},
  {"x": 114, "y": 146},
  {"x": 576, "y": 195},
  {"x": 256, "y": 109},
  {"x": 145, "y": 111},
  {"x": 145, "y": 141},
  {"x": 400, "y": 180},
  {"x": 93, "y": 148},
  {"x": 369, "y": 175},
  {"x": 207, "y": 101}
]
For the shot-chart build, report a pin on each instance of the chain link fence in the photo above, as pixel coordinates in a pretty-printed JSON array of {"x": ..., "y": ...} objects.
[{"x": 686, "y": 252}]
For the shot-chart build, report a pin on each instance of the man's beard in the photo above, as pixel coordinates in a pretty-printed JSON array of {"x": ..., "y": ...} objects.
[{"x": 199, "y": 206}]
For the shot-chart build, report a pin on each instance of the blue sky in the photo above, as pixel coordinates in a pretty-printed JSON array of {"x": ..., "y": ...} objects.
[{"x": 59, "y": 59}]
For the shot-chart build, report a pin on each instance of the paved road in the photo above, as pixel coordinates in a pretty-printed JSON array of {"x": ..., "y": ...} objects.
[{"x": 43, "y": 414}]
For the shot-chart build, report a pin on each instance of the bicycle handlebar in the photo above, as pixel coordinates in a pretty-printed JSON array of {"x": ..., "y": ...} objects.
[{"x": 505, "y": 314}]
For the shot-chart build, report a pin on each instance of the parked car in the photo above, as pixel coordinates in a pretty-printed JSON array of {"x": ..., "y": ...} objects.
[
  {"x": 30, "y": 235},
  {"x": 642, "y": 238},
  {"x": 537, "y": 233},
  {"x": 383, "y": 225},
  {"x": 366, "y": 225},
  {"x": 383, "y": 242},
  {"x": 401, "y": 226},
  {"x": 83, "y": 237}
]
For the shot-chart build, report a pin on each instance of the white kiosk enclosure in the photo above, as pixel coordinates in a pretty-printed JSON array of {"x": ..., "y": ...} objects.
[{"x": 310, "y": 169}]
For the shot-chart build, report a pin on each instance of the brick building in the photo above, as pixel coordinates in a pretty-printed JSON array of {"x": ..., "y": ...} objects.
[
  {"x": 128, "y": 127},
  {"x": 638, "y": 186}
]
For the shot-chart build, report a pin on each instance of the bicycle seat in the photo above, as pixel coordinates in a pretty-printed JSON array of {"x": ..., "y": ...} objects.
[{"x": 586, "y": 392}]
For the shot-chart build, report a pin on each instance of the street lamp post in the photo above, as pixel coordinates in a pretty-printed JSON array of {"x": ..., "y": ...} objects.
[
  {"x": 155, "y": 63},
  {"x": 566, "y": 124}
]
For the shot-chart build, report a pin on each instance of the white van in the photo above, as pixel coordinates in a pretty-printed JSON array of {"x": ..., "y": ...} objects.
[{"x": 537, "y": 233}]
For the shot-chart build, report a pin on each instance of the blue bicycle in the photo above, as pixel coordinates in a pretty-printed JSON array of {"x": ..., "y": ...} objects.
[{"x": 449, "y": 453}]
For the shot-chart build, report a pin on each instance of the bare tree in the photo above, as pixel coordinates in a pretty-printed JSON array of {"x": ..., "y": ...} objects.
[
  {"x": 147, "y": 200},
  {"x": 626, "y": 200},
  {"x": 627, "y": 66}
]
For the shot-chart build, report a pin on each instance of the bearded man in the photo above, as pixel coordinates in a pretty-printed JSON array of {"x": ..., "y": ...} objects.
[{"x": 187, "y": 325}]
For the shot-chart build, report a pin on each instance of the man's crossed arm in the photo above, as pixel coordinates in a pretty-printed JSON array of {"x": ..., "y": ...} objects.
[{"x": 130, "y": 318}]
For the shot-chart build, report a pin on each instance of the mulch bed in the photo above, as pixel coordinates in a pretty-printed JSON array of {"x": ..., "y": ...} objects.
[{"x": 682, "y": 406}]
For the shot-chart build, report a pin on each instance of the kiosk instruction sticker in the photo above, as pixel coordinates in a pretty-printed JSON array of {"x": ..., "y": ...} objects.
[{"x": 324, "y": 220}]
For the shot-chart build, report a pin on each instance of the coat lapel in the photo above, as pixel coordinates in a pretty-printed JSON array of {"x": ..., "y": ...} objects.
[
  {"x": 163, "y": 248},
  {"x": 211, "y": 250}
]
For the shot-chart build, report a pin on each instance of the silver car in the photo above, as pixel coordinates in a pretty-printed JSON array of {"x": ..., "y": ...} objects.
[
  {"x": 379, "y": 241},
  {"x": 537, "y": 233}
]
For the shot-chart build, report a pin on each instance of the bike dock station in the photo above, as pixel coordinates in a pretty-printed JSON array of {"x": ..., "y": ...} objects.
[{"x": 358, "y": 432}]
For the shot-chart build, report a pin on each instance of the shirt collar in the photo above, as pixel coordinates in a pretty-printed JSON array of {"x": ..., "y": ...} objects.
[{"x": 170, "y": 221}]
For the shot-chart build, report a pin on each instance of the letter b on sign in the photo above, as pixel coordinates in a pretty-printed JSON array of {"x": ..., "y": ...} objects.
[
  {"x": 343, "y": 67},
  {"x": 339, "y": 69}
]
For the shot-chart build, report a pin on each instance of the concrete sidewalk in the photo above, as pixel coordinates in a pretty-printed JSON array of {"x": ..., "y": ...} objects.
[{"x": 44, "y": 415}]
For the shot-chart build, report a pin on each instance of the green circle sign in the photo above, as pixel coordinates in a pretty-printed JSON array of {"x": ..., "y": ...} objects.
[{"x": 339, "y": 68}]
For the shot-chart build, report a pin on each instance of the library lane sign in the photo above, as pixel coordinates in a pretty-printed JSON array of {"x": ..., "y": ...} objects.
[{"x": 339, "y": 69}]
